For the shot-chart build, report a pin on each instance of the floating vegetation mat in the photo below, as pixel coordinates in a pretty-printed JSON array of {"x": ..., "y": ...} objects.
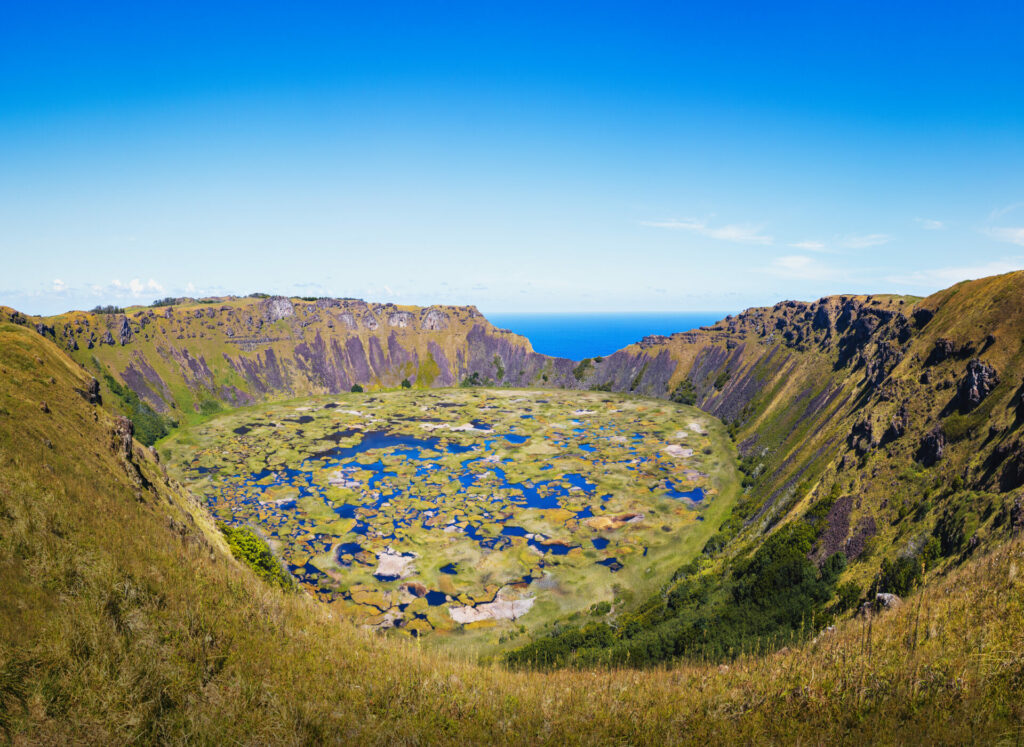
[{"x": 449, "y": 511}]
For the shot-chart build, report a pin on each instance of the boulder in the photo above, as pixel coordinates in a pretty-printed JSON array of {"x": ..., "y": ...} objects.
[
  {"x": 91, "y": 392},
  {"x": 933, "y": 446},
  {"x": 882, "y": 601},
  {"x": 887, "y": 601},
  {"x": 861, "y": 438},
  {"x": 276, "y": 308},
  {"x": 400, "y": 319},
  {"x": 124, "y": 331},
  {"x": 898, "y": 425},
  {"x": 922, "y": 317},
  {"x": 977, "y": 383},
  {"x": 121, "y": 438},
  {"x": 434, "y": 319}
]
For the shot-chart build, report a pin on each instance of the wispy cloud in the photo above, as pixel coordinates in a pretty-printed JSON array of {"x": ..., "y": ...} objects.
[
  {"x": 943, "y": 277},
  {"x": 931, "y": 225},
  {"x": 742, "y": 234},
  {"x": 810, "y": 246},
  {"x": 59, "y": 286},
  {"x": 1001, "y": 211},
  {"x": 800, "y": 267},
  {"x": 1013, "y": 235},
  {"x": 855, "y": 241}
]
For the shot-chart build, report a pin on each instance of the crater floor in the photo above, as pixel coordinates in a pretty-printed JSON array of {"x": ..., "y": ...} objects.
[{"x": 466, "y": 514}]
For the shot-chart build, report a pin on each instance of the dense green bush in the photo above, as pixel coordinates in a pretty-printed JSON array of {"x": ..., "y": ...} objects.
[
  {"x": 356, "y": 388},
  {"x": 684, "y": 393},
  {"x": 209, "y": 406},
  {"x": 849, "y": 594},
  {"x": 955, "y": 526},
  {"x": 249, "y": 548}
]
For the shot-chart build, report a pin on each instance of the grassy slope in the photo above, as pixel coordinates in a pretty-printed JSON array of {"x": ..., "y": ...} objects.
[
  {"x": 802, "y": 454},
  {"x": 125, "y": 619}
]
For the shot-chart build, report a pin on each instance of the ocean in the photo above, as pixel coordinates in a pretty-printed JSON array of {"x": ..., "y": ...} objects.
[{"x": 579, "y": 336}]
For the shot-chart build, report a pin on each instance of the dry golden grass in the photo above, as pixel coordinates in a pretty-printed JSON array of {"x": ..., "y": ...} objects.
[{"x": 126, "y": 620}]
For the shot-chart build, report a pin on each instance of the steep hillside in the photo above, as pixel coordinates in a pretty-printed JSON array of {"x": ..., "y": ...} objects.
[
  {"x": 197, "y": 356},
  {"x": 124, "y": 618},
  {"x": 893, "y": 411}
]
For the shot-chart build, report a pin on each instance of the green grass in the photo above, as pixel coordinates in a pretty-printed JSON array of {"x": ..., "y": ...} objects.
[{"x": 129, "y": 621}]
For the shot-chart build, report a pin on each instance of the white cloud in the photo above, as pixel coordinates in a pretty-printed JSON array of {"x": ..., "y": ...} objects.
[
  {"x": 59, "y": 286},
  {"x": 864, "y": 241},
  {"x": 136, "y": 287},
  {"x": 190, "y": 288},
  {"x": 800, "y": 267},
  {"x": 737, "y": 233},
  {"x": 943, "y": 277},
  {"x": 931, "y": 225},
  {"x": 810, "y": 246},
  {"x": 1012, "y": 235}
]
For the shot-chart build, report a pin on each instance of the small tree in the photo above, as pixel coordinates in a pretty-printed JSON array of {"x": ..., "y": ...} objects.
[
  {"x": 356, "y": 388},
  {"x": 406, "y": 384}
]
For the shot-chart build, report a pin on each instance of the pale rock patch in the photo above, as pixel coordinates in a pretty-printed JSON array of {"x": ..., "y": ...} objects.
[
  {"x": 677, "y": 450},
  {"x": 391, "y": 563},
  {"x": 499, "y": 609}
]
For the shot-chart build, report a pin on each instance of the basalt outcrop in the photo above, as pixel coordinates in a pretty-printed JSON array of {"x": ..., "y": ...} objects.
[{"x": 235, "y": 351}]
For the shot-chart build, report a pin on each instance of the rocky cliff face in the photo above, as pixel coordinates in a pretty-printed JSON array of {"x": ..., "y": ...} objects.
[
  {"x": 887, "y": 409},
  {"x": 235, "y": 351}
]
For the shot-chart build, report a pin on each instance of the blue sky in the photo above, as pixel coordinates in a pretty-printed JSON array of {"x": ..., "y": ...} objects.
[{"x": 517, "y": 156}]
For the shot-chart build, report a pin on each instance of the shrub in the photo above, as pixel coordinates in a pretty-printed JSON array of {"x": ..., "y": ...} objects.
[
  {"x": 248, "y": 547},
  {"x": 209, "y": 406},
  {"x": 406, "y": 384},
  {"x": 898, "y": 576},
  {"x": 957, "y": 427},
  {"x": 684, "y": 393},
  {"x": 581, "y": 370},
  {"x": 356, "y": 388},
  {"x": 956, "y": 525},
  {"x": 849, "y": 595}
]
